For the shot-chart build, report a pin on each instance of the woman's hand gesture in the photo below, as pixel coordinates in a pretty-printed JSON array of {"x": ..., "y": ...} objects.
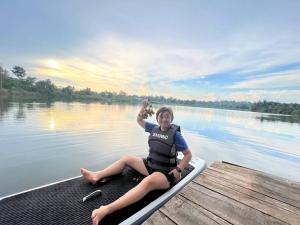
[
  {"x": 145, "y": 103},
  {"x": 176, "y": 174}
]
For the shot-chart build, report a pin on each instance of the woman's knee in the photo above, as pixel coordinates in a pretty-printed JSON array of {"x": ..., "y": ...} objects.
[
  {"x": 155, "y": 181},
  {"x": 148, "y": 183}
]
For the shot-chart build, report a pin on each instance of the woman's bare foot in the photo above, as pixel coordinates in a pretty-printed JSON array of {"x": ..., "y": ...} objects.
[
  {"x": 89, "y": 175},
  {"x": 99, "y": 214}
]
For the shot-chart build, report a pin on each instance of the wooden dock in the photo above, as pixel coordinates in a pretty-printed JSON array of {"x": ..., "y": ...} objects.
[{"x": 230, "y": 194}]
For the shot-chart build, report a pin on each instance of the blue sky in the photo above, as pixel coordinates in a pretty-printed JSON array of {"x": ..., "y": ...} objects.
[{"x": 203, "y": 50}]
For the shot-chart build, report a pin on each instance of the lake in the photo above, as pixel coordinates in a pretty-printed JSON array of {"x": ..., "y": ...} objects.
[{"x": 42, "y": 143}]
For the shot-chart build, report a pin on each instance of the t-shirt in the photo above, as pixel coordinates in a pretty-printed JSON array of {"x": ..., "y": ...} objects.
[{"x": 180, "y": 143}]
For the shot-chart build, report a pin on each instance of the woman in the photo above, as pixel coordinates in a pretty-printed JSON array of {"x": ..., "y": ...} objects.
[{"x": 160, "y": 167}]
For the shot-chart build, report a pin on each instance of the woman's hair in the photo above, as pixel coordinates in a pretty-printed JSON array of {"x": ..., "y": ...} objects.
[{"x": 164, "y": 109}]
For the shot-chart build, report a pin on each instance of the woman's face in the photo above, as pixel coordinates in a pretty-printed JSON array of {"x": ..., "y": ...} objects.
[{"x": 164, "y": 119}]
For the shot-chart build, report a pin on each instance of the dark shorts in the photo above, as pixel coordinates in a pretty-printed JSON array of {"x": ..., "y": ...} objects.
[{"x": 171, "y": 178}]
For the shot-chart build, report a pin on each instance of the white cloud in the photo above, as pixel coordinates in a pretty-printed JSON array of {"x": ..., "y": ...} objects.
[
  {"x": 142, "y": 67},
  {"x": 160, "y": 62},
  {"x": 291, "y": 96},
  {"x": 289, "y": 79}
]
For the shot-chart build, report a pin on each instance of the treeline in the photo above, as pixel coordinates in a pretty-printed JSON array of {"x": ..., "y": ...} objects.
[
  {"x": 25, "y": 85},
  {"x": 276, "y": 108},
  {"x": 46, "y": 89},
  {"x": 22, "y": 84}
]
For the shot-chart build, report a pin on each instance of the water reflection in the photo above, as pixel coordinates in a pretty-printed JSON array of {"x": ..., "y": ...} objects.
[
  {"x": 21, "y": 107},
  {"x": 281, "y": 118},
  {"x": 5, "y": 106},
  {"x": 46, "y": 142},
  {"x": 20, "y": 114},
  {"x": 83, "y": 116}
]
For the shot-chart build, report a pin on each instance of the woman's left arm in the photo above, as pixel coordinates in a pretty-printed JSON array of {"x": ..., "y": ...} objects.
[
  {"x": 183, "y": 163},
  {"x": 186, "y": 159}
]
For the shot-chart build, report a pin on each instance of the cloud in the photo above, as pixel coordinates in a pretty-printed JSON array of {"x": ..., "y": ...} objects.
[
  {"x": 142, "y": 58},
  {"x": 118, "y": 63},
  {"x": 290, "y": 96},
  {"x": 115, "y": 62},
  {"x": 290, "y": 79}
]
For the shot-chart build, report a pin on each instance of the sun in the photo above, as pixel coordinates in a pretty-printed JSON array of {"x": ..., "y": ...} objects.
[{"x": 53, "y": 64}]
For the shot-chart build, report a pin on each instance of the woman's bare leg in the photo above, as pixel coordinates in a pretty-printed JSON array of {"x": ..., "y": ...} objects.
[
  {"x": 154, "y": 181},
  {"x": 116, "y": 168}
]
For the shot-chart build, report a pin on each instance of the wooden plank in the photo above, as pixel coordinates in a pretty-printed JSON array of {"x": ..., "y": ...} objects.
[
  {"x": 230, "y": 210},
  {"x": 265, "y": 207},
  {"x": 204, "y": 211},
  {"x": 216, "y": 177},
  {"x": 183, "y": 213},
  {"x": 227, "y": 194},
  {"x": 254, "y": 184},
  {"x": 292, "y": 186},
  {"x": 279, "y": 180},
  {"x": 158, "y": 218}
]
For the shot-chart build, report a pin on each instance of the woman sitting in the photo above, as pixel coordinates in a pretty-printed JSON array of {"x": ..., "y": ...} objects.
[{"x": 160, "y": 167}]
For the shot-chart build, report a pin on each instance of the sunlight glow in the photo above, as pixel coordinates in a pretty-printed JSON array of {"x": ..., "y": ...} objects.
[
  {"x": 53, "y": 64},
  {"x": 52, "y": 124}
]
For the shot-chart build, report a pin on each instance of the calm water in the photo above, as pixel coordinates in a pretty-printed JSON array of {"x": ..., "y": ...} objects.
[{"x": 42, "y": 143}]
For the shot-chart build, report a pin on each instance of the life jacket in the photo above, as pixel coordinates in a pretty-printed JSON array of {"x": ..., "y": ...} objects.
[{"x": 162, "y": 151}]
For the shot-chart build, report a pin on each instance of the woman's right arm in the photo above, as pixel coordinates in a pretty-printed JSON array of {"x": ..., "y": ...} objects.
[{"x": 139, "y": 118}]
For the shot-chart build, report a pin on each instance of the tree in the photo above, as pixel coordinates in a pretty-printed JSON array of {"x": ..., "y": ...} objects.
[
  {"x": 122, "y": 93},
  {"x": 28, "y": 83},
  {"x": 68, "y": 91},
  {"x": 3, "y": 77},
  {"x": 86, "y": 91},
  {"x": 19, "y": 72},
  {"x": 296, "y": 113},
  {"x": 45, "y": 88}
]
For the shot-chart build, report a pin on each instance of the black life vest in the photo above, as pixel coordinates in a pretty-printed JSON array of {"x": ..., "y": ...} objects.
[{"x": 162, "y": 151}]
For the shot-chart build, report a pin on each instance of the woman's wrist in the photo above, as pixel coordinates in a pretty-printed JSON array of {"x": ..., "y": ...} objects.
[
  {"x": 178, "y": 169},
  {"x": 140, "y": 116}
]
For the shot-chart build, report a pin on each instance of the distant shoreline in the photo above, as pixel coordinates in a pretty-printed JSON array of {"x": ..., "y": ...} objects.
[
  {"x": 27, "y": 96},
  {"x": 29, "y": 88}
]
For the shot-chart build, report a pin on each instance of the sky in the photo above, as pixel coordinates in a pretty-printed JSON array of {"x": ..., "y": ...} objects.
[{"x": 204, "y": 50}]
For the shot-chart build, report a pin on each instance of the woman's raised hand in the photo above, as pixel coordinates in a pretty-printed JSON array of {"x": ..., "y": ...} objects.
[
  {"x": 145, "y": 103},
  {"x": 146, "y": 110}
]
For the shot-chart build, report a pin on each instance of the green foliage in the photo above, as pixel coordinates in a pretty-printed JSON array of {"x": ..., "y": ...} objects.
[
  {"x": 19, "y": 71},
  {"x": 86, "y": 91},
  {"x": 9, "y": 83},
  {"x": 276, "y": 108},
  {"x": 296, "y": 113},
  {"x": 68, "y": 91},
  {"x": 45, "y": 88},
  {"x": 6, "y": 81},
  {"x": 28, "y": 83},
  {"x": 2, "y": 74}
]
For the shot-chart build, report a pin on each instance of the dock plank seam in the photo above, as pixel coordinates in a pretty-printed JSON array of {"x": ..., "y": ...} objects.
[
  {"x": 276, "y": 195},
  {"x": 292, "y": 185},
  {"x": 283, "y": 205},
  {"x": 189, "y": 200},
  {"x": 168, "y": 217},
  {"x": 185, "y": 213},
  {"x": 283, "y": 181},
  {"x": 227, "y": 194},
  {"x": 262, "y": 206},
  {"x": 254, "y": 209}
]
